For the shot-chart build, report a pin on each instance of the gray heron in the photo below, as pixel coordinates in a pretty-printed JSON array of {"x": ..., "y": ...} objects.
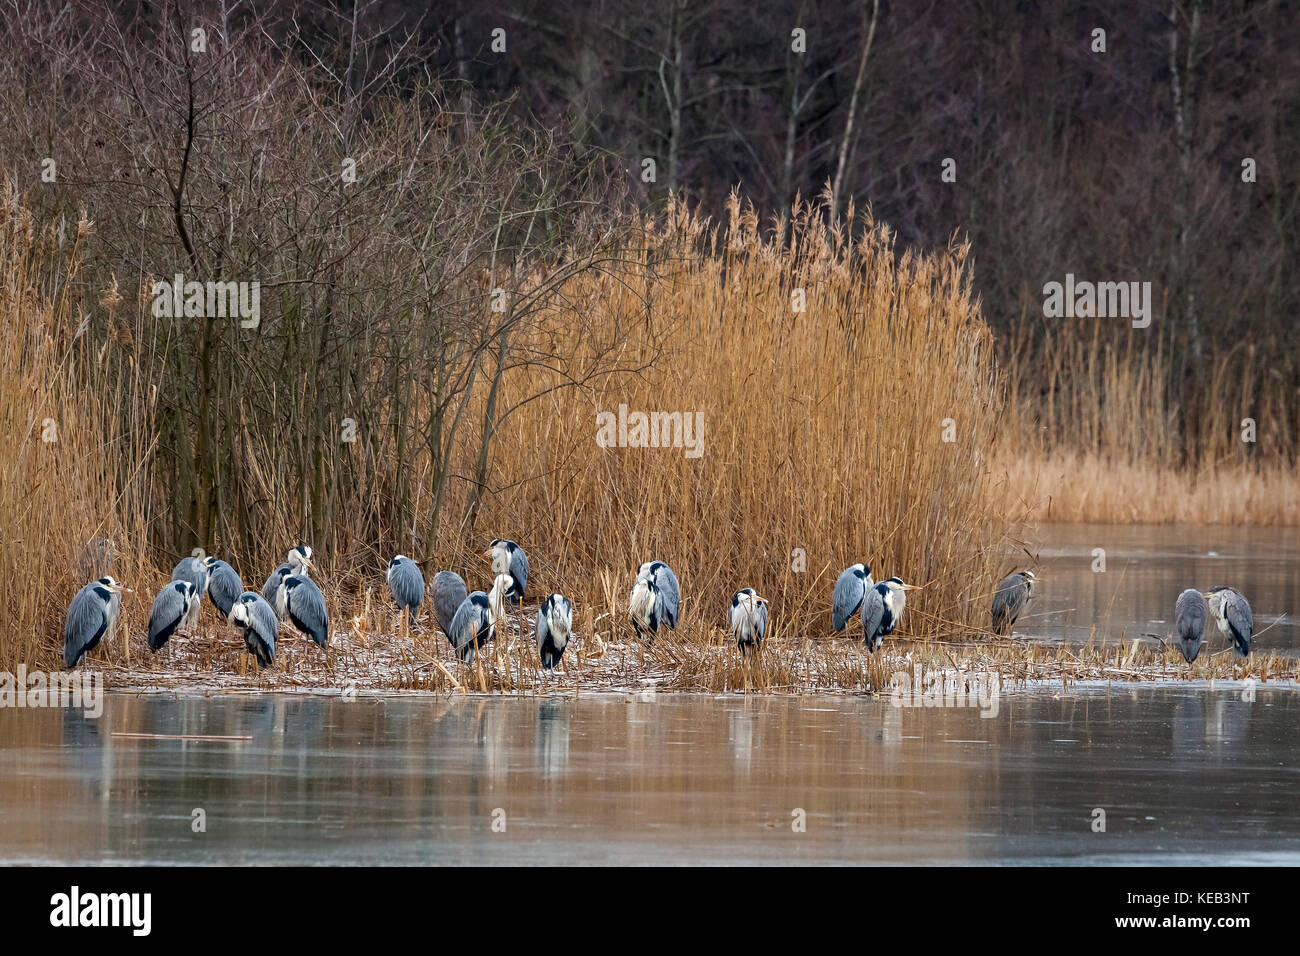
[
  {"x": 655, "y": 599},
  {"x": 748, "y": 618},
  {"x": 508, "y": 558},
  {"x": 449, "y": 592},
  {"x": 1232, "y": 613},
  {"x": 92, "y": 616},
  {"x": 300, "y": 602},
  {"x": 474, "y": 622},
  {"x": 1010, "y": 598},
  {"x": 850, "y": 590},
  {"x": 196, "y": 571},
  {"x": 272, "y": 585},
  {"x": 406, "y": 585},
  {"x": 224, "y": 587},
  {"x": 298, "y": 562},
  {"x": 554, "y": 628},
  {"x": 259, "y": 623},
  {"x": 176, "y": 606},
  {"x": 1190, "y": 612},
  {"x": 882, "y": 610}
]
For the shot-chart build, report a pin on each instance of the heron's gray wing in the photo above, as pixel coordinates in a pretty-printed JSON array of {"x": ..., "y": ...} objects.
[
  {"x": 519, "y": 570},
  {"x": 449, "y": 592},
  {"x": 761, "y": 626},
  {"x": 307, "y": 611},
  {"x": 85, "y": 625},
  {"x": 165, "y": 615},
  {"x": 1008, "y": 601},
  {"x": 465, "y": 625},
  {"x": 407, "y": 585},
  {"x": 873, "y": 612},
  {"x": 263, "y": 623},
  {"x": 192, "y": 570},
  {"x": 846, "y": 598},
  {"x": 670, "y": 594},
  {"x": 1190, "y": 615},
  {"x": 272, "y": 585},
  {"x": 224, "y": 587},
  {"x": 1240, "y": 621}
]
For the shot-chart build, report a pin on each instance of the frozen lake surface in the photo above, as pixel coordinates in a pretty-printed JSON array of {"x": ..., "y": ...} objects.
[{"x": 1184, "y": 774}]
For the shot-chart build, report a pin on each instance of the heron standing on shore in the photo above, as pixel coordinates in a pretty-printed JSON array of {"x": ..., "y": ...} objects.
[
  {"x": 1189, "y": 623},
  {"x": 474, "y": 623},
  {"x": 406, "y": 585},
  {"x": 1010, "y": 598},
  {"x": 882, "y": 611},
  {"x": 176, "y": 606},
  {"x": 92, "y": 616},
  {"x": 301, "y": 601},
  {"x": 449, "y": 592},
  {"x": 1231, "y": 611},
  {"x": 850, "y": 590},
  {"x": 508, "y": 558},
  {"x": 554, "y": 628},
  {"x": 748, "y": 619},
  {"x": 655, "y": 599},
  {"x": 257, "y": 619},
  {"x": 224, "y": 587}
]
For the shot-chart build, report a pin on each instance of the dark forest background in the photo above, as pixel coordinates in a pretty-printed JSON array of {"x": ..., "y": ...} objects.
[{"x": 1126, "y": 164}]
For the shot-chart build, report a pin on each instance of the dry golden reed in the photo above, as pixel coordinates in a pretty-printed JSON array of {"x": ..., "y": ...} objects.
[
  {"x": 823, "y": 429},
  {"x": 1088, "y": 436},
  {"x": 58, "y": 440}
]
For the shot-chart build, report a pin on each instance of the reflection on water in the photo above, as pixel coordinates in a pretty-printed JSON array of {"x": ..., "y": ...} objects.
[
  {"x": 1184, "y": 773},
  {"x": 1146, "y": 569}
]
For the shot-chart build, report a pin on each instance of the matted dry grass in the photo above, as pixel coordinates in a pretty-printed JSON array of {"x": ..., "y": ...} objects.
[{"x": 697, "y": 660}]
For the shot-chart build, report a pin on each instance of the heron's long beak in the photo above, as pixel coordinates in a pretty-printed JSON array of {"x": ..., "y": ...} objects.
[
  {"x": 120, "y": 588},
  {"x": 759, "y": 599},
  {"x": 913, "y": 587}
]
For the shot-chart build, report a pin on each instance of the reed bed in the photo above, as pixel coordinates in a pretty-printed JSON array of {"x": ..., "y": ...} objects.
[
  {"x": 59, "y": 438},
  {"x": 847, "y": 407},
  {"x": 1081, "y": 487},
  {"x": 1089, "y": 433},
  {"x": 823, "y": 429},
  {"x": 787, "y": 351}
]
